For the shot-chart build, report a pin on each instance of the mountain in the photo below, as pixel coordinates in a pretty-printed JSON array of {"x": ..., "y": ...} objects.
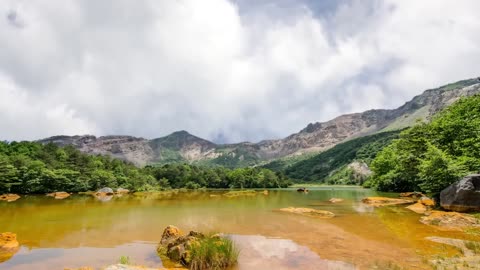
[{"x": 315, "y": 137}]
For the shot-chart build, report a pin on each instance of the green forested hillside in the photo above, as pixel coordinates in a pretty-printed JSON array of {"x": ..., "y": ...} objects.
[
  {"x": 28, "y": 167},
  {"x": 429, "y": 157},
  {"x": 319, "y": 167}
]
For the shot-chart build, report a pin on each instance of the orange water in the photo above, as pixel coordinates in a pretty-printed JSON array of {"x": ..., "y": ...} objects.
[{"x": 83, "y": 231}]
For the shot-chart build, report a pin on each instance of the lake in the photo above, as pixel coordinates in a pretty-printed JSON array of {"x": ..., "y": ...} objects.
[{"x": 84, "y": 231}]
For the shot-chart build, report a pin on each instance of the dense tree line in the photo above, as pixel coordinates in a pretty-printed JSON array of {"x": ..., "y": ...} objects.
[
  {"x": 29, "y": 167},
  {"x": 430, "y": 156}
]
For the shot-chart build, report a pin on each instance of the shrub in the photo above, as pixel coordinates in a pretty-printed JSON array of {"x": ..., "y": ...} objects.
[{"x": 213, "y": 252}]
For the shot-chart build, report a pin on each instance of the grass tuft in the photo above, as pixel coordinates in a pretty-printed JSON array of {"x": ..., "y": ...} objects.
[
  {"x": 124, "y": 260},
  {"x": 213, "y": 252}
]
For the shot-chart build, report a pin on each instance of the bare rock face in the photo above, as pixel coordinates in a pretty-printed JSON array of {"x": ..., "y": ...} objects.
[{"x": 462, "y": 196}]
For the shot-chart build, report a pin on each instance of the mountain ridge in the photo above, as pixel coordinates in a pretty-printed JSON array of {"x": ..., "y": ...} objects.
[{"x": 181, "y": 146}]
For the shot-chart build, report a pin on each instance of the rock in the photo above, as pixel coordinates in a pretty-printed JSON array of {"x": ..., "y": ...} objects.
[
  {"x": 335, "y": 200},
  {"x": 302, "y": 190},
  {"x": 426, "y": 201},
  {"x": 9, "y": 197},
  {"x": 176, "y": 246},
  {"x": 265, "y": 192},
  {"x": 106, "y": 190},
  {"x": 413, "y": 195},
  {"x": 308, "y": 212},
  {"x": 462, "y": 196},
  {"x": 418, "y": 208},
  {"x": 450, "y": 220},
  {"x": 59, "y": 195},
  {"x": 384, "y": 201},
  {"x": 8, "y": 246},
  {"x": 122, "y": 191},
  {"x": 170, "y": 233}
]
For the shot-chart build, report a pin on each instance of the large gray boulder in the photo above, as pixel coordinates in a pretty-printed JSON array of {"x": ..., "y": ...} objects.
[
  {"x": 462, "y": 196},
  {"x": 106, "y": 190}
]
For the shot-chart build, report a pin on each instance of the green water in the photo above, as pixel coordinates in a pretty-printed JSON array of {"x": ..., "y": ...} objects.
[{"x": 84, "y": 231}]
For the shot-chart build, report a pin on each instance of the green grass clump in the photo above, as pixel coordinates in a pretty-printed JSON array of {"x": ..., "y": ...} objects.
[
  {"x": 214, "y": 253},
  {"x": 238, "y": 193},
  {"x": 124, "y": 260}
]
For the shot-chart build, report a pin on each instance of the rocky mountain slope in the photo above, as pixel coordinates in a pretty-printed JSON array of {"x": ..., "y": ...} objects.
[{"x": 184, "y": 147}]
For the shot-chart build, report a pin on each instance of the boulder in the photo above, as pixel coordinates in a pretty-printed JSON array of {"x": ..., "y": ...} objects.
[
  {"x": 384, "y": 201},
  {"x": 59, "y": 195},
  {"x": 302, "y": 190},
  {"x": 308, "y": 212},
  {"x": 462, "y": 196},
  {"x": 176, "y": 246},
  {"x": 8, "y": 246},
  {"x": 450, "y": 220},
  {"x": 106, "y": 190},
  {"x": 426, "y": 201},
  {"x": 9, "y": 197},
  {"x": 335, "y": 200}
]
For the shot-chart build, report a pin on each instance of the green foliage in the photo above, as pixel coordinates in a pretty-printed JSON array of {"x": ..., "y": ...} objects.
[
  {"x": 319, "y": 167},
  {"x": 124, "y": 260},
  {"x": 28, "y": 167},
  {"x": 429, "y": 157},
  {"x": 214, "y": 253}
]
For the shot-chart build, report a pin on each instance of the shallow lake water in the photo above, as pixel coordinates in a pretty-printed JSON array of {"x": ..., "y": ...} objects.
[{"x": 84, "y": 231}]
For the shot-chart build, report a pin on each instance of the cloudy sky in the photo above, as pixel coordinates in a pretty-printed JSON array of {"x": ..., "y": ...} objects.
[{"x": 225, "y": 70}]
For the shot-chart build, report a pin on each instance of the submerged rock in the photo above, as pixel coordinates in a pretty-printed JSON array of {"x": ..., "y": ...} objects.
[
  {"x": 8, "y": 246},
  {"x": 9, "y": 197},
  {"x": 265, "y": 192},
  {"x": 418, "y": 208},
  {"x": 450, "y": 220},
  {"x": 384, "y": 201},
  {"x": 59, "y": 195},
  {"x": 462, "y": 196},
  {"x": 335, "y": 200},
  {"x": 309, "y": 212}
]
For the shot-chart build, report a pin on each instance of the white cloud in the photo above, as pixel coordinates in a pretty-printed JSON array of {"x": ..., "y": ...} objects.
[{"x": 147, "y": 68}]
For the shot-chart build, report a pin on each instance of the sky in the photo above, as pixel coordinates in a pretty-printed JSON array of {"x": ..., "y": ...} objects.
[{"x": 224, "y": 70}]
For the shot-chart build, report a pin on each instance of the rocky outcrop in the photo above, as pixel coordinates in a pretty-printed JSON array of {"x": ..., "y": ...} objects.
[
  {"x": 462, "y": 196},
  {"x": 412, "y": 195},
  {"x": 176, "y": 246},
  {"x": 8, "y": 245},
  {"x": 59, "y": 195},
  {"x": 9, "y": 197},
  {"x": 308, "y": 212},
  {"x": 384, "y": 201},
  {"x": 450, "y": 220}
]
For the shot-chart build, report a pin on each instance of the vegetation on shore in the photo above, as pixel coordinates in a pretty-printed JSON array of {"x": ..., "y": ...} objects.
[
  {"x": 30, "y": 168},
  {"x": 430, "y": 156},
  {"x": 323, "y": 166}
]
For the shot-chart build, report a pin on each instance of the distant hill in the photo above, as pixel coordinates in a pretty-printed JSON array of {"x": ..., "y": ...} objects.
[{"x": 314, "y": 138}]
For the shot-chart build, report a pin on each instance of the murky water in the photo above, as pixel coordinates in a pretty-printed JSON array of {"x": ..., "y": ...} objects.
[{"x": 83, "y": 231}]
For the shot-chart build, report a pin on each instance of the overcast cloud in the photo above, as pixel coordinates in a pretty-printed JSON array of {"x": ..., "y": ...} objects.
[{"x": 224, "y": 70}]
